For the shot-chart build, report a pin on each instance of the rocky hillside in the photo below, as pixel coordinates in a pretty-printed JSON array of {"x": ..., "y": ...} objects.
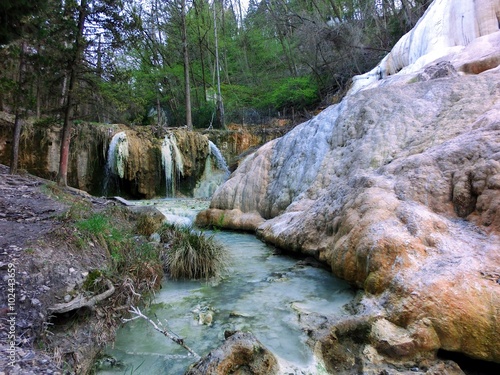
[{"x": 397, "y": 189}]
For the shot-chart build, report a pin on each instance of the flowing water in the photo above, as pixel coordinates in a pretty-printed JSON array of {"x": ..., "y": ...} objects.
[
  {"x": 262, "y": 292},
  {"x": 172, "y": 163},
  {"x": 115, "y": 161},
  {"x": 215, "y": 174}
]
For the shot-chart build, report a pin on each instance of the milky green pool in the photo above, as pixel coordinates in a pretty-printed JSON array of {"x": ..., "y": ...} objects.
[{"x": 261, "y": 293}]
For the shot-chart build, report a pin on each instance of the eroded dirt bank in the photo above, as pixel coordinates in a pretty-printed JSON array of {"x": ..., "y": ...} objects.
[{"x": 50, "y": 255}]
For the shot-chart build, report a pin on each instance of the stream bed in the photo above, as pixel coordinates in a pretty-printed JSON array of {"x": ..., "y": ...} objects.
[{"x": 262, "y": 292}]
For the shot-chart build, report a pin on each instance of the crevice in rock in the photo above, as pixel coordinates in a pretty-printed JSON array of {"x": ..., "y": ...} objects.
[{"x": 470, "y": 366}]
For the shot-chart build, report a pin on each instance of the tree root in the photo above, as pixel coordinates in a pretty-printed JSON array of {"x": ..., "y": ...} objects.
[{"x": 82, "y": 301}]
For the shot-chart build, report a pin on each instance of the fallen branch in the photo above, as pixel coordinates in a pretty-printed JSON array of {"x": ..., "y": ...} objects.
[
  {"x": 82, "y": 301},
  {"x": 138, "y": 314}
]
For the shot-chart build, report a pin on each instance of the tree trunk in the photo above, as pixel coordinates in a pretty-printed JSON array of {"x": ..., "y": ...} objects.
[
  {"x": 200, "y": 47},
  {"x": 62, "y": 178},
  {"x": 220, "y": 104},
  {"x": 17, "y": 121},
  {"x": 189, "y": 120}
]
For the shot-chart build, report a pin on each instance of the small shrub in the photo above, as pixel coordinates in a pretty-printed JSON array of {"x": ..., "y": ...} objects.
[{"x": 192, "y": 254}]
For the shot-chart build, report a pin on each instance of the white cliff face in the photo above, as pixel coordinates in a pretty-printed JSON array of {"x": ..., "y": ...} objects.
[
  {"x": 445, "y": 29},
  {"x": 397, "y": 187}
]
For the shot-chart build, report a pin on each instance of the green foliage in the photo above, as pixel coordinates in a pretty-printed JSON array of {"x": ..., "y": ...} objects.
[
  {"x": 13, "y": 15},
  {"x": 281, "y": 54},
  {"x": 241, "y": 96},
  {"x": 94, "y": 225},
  {"x": 192, "y": 255},
  {"x": 297, "y": 92},
  {"x": 203, "y": 116}
]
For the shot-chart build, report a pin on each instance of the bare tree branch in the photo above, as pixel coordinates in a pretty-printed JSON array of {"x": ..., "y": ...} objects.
[{"x": 172, "y": 336}]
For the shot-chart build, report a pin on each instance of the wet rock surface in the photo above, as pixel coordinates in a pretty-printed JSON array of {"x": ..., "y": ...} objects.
[{"x": 241, "y": 353}]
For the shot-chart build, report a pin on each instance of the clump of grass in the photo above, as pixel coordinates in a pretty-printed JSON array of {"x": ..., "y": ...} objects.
[
  {"x": 192, "y": 254},
  {"x": 94, "y": 225},
  {"x": 126, "y": 250}
]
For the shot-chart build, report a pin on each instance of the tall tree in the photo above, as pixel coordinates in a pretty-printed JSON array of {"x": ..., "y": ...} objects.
[
  {"x": 185, "y": 53},
  {"x": 17, "y": 119},
  {"x": 73, "y": 66},
  {"x": 219, "y": 102},
  {"x": 13, "y": 25}
]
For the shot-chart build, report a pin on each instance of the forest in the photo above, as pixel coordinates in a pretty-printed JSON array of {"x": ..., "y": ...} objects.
[{"x": 193, "y": 63}]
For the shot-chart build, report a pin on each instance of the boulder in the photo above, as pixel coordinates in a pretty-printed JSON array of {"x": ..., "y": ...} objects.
[{"x": 240, "y": 354}]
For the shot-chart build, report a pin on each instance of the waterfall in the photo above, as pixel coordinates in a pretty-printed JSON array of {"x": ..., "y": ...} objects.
[
  {"x": 172, "y": 163},
  {"x": 115, "y": 161},
  {"x": 215, "y": 174},
  {"x": 219, "y": 159}
]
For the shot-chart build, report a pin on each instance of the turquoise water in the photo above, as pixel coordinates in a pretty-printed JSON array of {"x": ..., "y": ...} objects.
[{"x": 261, "y": 293}]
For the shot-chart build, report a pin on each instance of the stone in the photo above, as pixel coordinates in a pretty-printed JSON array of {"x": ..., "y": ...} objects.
[
  {"x": 241, "y": 353},
  {"x": 441, "y": 69}
]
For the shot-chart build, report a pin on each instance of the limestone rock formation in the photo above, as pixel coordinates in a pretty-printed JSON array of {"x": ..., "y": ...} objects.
[
  {"x": 397, "y": 189},
  {"x": 444, "y": 31},
  {"x": 141, "y": 170}
]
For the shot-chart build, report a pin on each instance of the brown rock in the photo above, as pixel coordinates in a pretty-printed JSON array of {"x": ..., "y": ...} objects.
[{"x": 241, "y": 354}]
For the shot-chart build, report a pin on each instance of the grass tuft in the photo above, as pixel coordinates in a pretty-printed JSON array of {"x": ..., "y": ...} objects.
[{"x": 192, "y": 254}]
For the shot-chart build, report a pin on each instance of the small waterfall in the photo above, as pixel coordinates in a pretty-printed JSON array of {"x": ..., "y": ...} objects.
[
  {"x": 219, "y": 159},
  {"x": 215, "y": 174},
  {"x": 115, "y": 162},
  {"x": 172, "y": 163}
]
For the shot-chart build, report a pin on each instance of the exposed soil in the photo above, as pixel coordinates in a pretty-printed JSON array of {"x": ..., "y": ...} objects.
[{"x": 34, "y": 241}]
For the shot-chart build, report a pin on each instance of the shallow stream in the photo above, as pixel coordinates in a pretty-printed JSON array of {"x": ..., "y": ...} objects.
[{"x": 262, "y": 292}]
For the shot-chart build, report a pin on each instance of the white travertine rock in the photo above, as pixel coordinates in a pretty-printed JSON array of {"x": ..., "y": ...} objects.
[
  {"x": 397, "y": 189},
  {"x": 445, "y": 29}
]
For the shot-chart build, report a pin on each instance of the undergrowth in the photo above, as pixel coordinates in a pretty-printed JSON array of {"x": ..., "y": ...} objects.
[{"x": 112, "y": 229}]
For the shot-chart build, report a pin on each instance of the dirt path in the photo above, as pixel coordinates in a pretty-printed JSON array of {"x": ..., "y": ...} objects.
[{"x": 38, "y": 270}]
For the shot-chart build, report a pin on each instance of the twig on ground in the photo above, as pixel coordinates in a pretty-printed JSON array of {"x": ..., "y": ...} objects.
[{"x": 178, "y": 340}]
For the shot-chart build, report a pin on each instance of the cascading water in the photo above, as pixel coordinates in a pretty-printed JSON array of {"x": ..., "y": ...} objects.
[
  {"x": 172, "y": 163},
  {"x": 219, "y": 159},
  {"x": 216, "y": 172},
  {"x": 115, "y": 162}
]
